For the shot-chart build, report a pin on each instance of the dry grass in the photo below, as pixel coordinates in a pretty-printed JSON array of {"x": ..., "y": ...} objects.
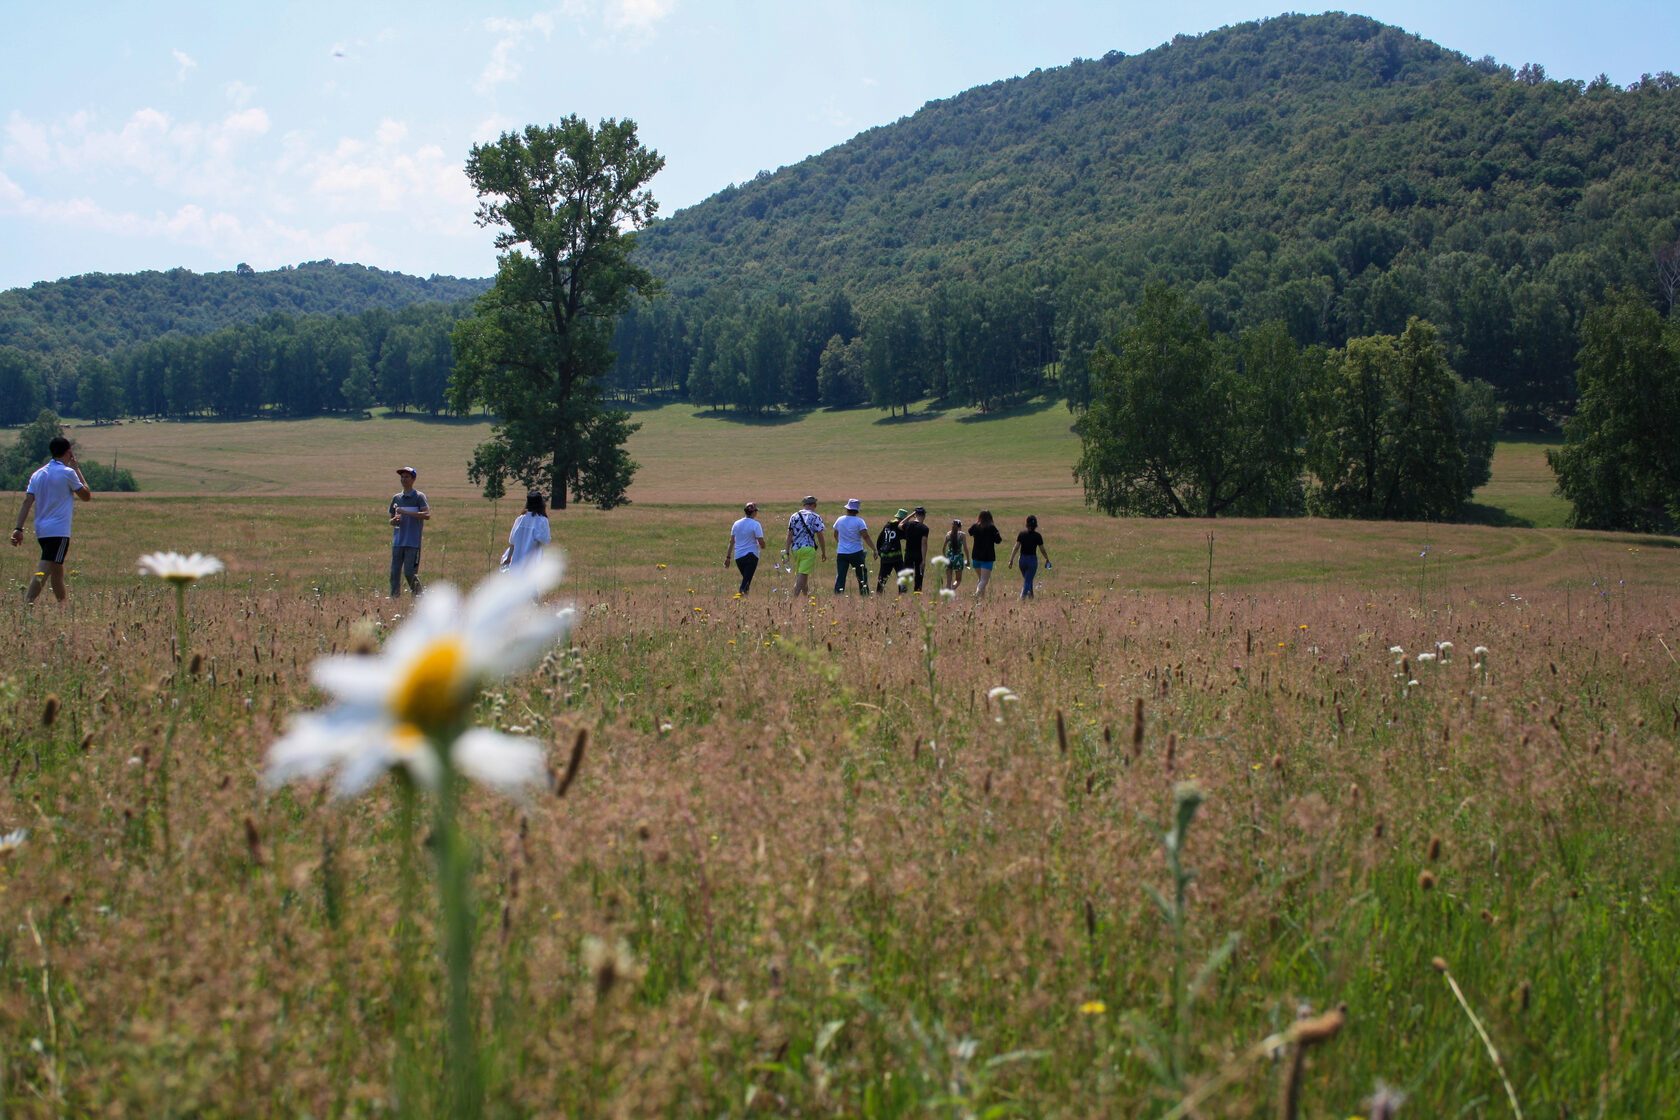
[{"x": 842, "y": 896}]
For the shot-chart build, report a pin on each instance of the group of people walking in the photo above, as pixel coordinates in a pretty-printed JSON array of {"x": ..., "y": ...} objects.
[
  {"x": 409, "y": 511},
  {"x": 901, "y": 549}
]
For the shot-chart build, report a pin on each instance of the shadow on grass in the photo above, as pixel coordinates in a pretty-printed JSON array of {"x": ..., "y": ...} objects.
[
  {"x": 439, "y": 420},
  {"x": 1025, "y": 408},
  {"x": 751, "y": 420},
  {"x": 1477, "y": 513},
  {"x": 913, "y": 417}
]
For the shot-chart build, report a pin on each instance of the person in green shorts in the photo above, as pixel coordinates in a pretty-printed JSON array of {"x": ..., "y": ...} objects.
[{"x": 804, "y": 538}]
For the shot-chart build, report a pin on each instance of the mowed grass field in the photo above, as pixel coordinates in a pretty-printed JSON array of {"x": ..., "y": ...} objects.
[{"x": 836, "y": 875}]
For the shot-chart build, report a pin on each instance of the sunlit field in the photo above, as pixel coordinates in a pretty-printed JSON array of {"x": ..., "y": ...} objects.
[{"x": 811, "y": 862}]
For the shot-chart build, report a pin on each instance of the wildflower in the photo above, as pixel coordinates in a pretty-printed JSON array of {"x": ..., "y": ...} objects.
[
  {"x": 12, "y": 841},
  {"x": 1001, "y": 693},
  {"x": 1093, "y": 1007},
  {"x": 938, "y": 562},
  {"x": 421, "y": 685},
  {"x": 1444, "y": 649},
  {"x": 1396, "y": 649},
  {"x": 1479, "y": 652},
  {"x": 906, "y": 577},
  {"x": 1426, "y": 657},
  {"x": 177, "y": 569},
  {"x": 946, "y": 594}
]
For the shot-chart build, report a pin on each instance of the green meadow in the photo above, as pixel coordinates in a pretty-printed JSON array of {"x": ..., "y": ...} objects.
[{"x": 812, "y": 862}]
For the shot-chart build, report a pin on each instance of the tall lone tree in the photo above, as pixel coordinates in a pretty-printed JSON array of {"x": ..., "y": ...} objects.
[{"x": 565, "y": 201}]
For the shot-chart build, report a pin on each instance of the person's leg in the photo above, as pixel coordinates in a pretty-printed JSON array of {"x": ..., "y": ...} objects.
[
  {"x": 411, "y": 569},
  {"x": 982, "y": 576},
  {"x": 55, "y": 575},
  {"x": 747, "y": 565},
  {"x": 842, "y": 564},
  {"x": 396, "y": 571},
  {"x": 920, "y": 566},
  {"x": 1029, "y": 569},
  {"x": 862, "y": 574}
]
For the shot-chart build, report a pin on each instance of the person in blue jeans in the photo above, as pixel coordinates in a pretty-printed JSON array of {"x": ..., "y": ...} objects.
[
  {"x": 1028, "y": 544},
  {"x": 409, "y": 514}
]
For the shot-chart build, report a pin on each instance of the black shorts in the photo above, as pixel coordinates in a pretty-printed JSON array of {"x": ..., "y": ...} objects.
[{"x": 54, "y": 549}]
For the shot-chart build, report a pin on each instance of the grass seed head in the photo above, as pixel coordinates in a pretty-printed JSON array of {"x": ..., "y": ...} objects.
[
  {"x": 49, "y": 712},
  {"x": 1426, "y": 880}
]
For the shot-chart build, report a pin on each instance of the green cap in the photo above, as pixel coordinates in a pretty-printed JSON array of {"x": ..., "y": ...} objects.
[{"x": 903, "y": 513}]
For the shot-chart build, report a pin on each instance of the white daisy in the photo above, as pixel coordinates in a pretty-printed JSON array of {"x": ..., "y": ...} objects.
[
  {"x": 939, "y": 562},
  {"x": 12, "y": 841},
  {"x": 178, "y": 569},
  {"x": 906, "y": 577},
  {"x": 947, "y": 594},
  {"x": 1002, "y": 693},
  {"x": 422, "y": 683}
]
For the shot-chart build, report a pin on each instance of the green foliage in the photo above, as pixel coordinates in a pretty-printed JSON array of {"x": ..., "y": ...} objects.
[
  {"x": 565, "y": 200},
  {"x": 1620, "y": 463},
  {"x": 99, "y": 314},
  {"x": 1186, "y": 425},
  {"x": 1326, "y": 171},
  {"x": 1398, "y": 435},
  {"x": 22, "y": 388},
  {"x": 30, "y": 451}
]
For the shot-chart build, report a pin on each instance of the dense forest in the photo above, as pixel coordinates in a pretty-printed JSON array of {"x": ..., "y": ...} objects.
[
  {"x": 1329, "y": 172},
  {"x": 295, "y": 364},
  {"x": 62, "y": 323}
]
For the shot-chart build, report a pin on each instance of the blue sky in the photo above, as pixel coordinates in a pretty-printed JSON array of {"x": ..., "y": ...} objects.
[{"x": 149, "y": 136}]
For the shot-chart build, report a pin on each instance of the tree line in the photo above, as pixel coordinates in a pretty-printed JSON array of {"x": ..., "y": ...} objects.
[{"x": 296, "y": 365}]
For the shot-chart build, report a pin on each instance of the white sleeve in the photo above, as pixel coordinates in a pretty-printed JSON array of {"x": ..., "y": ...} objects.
[{"x": 542, "y": 532}]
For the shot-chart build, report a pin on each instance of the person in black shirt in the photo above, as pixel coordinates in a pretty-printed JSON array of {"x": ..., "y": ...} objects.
[
  {"x": 914, "y": 533},
  {"x": 889, "y": 551},
  {"x": 1028, "y": 544},
  {"x": 982, "y": 553}
]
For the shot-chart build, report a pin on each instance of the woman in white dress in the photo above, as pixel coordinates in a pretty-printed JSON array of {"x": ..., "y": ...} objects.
[{"x": 529, "y": 534}]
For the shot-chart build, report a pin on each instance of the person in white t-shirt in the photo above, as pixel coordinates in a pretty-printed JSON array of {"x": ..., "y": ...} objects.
[
  {"x": 851, "y": 538},
  {"x": 53, "y": 493},
  {"x": 746, "y": 545},
  {"x": 529, "y": 533}
]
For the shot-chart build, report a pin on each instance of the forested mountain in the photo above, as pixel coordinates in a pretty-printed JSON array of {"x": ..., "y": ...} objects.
[
  {"x": 96, "y": 314},
  {"x": 1327, "y": 171}
]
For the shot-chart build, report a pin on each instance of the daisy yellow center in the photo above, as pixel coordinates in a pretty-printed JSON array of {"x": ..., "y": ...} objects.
[{"x": 434, "y": 690}]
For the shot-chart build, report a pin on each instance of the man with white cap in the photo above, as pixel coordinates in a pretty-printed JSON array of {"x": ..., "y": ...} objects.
[
  {"x": 851, "y": 538},
  {"x": 409, "y": 514}
]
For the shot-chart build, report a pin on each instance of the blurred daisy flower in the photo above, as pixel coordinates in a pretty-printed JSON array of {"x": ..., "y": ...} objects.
[
  {"x": 12, "y": 841},
  {"x": 906, "y": 577},
  {"x": 397, "y": 710},
  {"x": 177, "y": 569},
  {"x": 938, "y": 562},
  {"x": 947, "y": 594}
]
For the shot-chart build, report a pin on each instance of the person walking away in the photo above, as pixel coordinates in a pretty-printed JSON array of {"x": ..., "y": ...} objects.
[
  {"x": 1028, "y": 544},
  {"x": 915, "y": 533},
  {"x": 746, "y": 544},
  {"x": 52, "y": 493},
  {"x": 982, "y": 553},
  {"x": 851, "y": 538},
  {"x": 956, "y": 554},
  {"x": 889, "y": 550},
  {"x": 529, "y": 533},
  {"x": 409, "y": 514},
  {"x": 804, "y": 538}
]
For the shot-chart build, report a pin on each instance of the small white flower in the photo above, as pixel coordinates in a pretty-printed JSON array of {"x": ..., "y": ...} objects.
[
  {"x": 12, "y": 841},
  {"x": 1396, "y": 649},
  {"x": 178, "y": 569},
  {"x": 1443, "y": 648},
  {"x": 906, "y": 577},
  {"x": 947, "y": 594},
  {"x": 938, "y": 563},
  {"x": 1479, "y": 652},
  {"x": 1426, "y": 657},
  {"x": 1411, "y": 683},
  {"x": 422, "y": 682}
]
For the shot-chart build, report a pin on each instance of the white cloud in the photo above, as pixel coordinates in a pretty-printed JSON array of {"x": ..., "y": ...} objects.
[
  {"x": 637, "y": 16},
  {"x": 183, "y": 66},
  {"x": 239, "y": 94},
  {"x": 511, "y": 33}
]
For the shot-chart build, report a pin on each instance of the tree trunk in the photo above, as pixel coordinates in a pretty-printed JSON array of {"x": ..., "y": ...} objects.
[{"x": 559, "y": 473}]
